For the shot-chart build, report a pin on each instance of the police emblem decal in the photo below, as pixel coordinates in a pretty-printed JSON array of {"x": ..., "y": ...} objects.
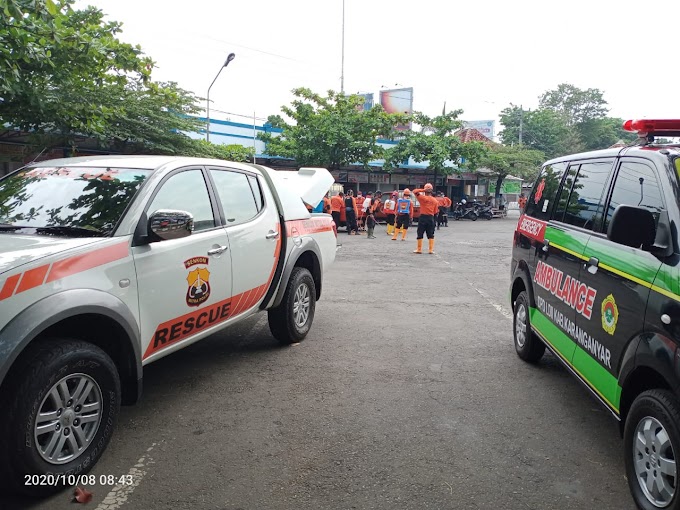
[
  {"x": 198, "y": 280},
  {"x": 610, "y": 314}
]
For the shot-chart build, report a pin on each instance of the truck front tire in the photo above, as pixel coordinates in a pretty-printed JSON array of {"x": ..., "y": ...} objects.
[
  {"x": 291, "y": 320},
  {"x": 63, "y": 403}
]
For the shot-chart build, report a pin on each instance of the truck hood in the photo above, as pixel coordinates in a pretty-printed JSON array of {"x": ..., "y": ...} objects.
[{"x": 17, "y": 249}]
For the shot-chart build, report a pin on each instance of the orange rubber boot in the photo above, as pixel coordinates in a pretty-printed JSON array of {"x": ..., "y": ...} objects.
[
  {"x": 419, "y": 246},
  {"x": 431, "y": 252}
]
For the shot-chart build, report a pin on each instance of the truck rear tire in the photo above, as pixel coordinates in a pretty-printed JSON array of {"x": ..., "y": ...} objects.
[
  {"x": 63, "y": 402},
  {"x": 292, "y": 319}
]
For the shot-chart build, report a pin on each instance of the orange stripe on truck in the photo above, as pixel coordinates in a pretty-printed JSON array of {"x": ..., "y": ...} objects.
[{"x": 72, "y": 265}]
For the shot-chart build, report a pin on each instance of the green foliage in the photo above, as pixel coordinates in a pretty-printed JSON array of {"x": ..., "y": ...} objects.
[
  {"x": 515, "y": 160},
  {"x": 574, "y": 104},
  {"x": 569, "y": 120},
  {"x": 331, "y": 130},
  {"x": 276, "y": 121},
  {"x": 436, "y": 144},
  {"x": 64, "y": 76}
]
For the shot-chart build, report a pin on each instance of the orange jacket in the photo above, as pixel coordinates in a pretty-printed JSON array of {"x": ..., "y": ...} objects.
[
  {"x": 327, "y": 205},
  {"x": 375, "y": 206},
  {"x": 444, "y": 202},
  {"x": 336, "y": 203},
  {"x": 428, "y": 203}
]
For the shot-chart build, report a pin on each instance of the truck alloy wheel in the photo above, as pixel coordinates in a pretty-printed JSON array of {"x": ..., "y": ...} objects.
[
  {"x": 291, "y": 320},
  {"x": 64, "y": 400}
]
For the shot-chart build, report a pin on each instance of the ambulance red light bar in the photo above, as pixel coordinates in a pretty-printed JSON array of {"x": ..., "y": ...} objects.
[{"x": 669, "y": 127}]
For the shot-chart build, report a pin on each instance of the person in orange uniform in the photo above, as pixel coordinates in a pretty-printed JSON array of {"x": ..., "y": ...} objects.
[
  {"x": 428, "y": 212},
  {"x": 336, "y": 206},
  {"x": 390, "y": 209},
  {"x": 444, "y": 203},
  {"x": 404, "y": 215},
  {"x": 351, "y": 213},
  {"x": 327, "y": 208}
]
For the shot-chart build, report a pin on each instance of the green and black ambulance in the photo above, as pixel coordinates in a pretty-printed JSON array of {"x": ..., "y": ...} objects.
[{"x": 596, "y": 279}]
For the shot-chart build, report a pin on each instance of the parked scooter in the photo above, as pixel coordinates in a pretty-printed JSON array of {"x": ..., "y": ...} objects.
[
  {"x": 483, "y": 211},
  {"x": 462, "y": 211}
]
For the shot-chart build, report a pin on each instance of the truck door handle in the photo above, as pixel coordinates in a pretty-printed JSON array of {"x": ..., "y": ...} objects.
[
  {"x": 217, "y": 251},
  {"x": 272, "y": 235},
  {"x": 592, "y": 265}
]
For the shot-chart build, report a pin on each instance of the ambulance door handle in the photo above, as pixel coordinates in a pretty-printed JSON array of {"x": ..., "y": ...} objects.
[
  {"x": 592, "y": 265},
  {"x": 546, "y": 245}
]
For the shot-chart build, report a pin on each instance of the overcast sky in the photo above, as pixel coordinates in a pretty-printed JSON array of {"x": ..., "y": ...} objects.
[{"x": 479, "y": 56}]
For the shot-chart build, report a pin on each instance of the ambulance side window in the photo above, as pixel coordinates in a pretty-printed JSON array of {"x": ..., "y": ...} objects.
[
  {"x": 562, "y": 202},
  {"x": 586, "y": 203},
  {"x": 636, "y": 184},
  {"x": 542, "y": 198}
]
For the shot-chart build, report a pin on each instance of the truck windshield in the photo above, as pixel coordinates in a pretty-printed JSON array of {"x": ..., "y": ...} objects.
[{"x": 67, "y": 200}]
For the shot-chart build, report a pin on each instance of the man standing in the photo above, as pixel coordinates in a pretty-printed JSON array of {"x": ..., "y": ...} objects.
[
  {"x": 404, "y": 215},
  {"x": 428, "y": 210},
  {"x": 351, "y": 213},
  {"x": 336, "y": 206},
  {"x": 390, "y": 209},
  {"x": 522, "y": 202}
]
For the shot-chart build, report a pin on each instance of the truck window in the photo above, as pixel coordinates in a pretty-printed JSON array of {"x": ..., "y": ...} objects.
[
  {"x": 235, "y": 195},
  {"x": 543, "y": 195},
  {"x": 586, "y": 200},
  {"x": 186, "y": 191},
  {"x": 257, "y": 192},
  {"x": 636, "y": 184}
]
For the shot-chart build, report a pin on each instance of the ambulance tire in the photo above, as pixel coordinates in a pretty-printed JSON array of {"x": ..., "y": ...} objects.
[
  {"x": 657, "y": 412},
  {"x": 528, "y": 346},
  {"x": 36, "y": 387},
  {"x": 292, "y": 319}
]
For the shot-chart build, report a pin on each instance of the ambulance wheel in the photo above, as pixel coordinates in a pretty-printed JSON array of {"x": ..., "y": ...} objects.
[
  {"x": 291, "y": 320},
  {"x": 527, "y": 345},
  {"x": 63, "y": 399},
  {"x": 651, "y": 444}
]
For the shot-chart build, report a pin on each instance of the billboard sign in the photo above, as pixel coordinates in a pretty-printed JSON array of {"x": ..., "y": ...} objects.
[
  {"x": 368, "y": 102},
  {"x": 398, "y": 101},
  {"x": 486, "y": 127}
]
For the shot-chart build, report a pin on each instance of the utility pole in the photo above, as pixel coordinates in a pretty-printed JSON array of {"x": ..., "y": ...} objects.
[
  {"x": 521, "y": 115},
  {"x": 342, "y": 70}
]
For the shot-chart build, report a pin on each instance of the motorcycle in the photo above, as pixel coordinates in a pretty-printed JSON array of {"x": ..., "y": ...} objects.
[
  {"x": 483, "y": 211},
  {"x": 462, "y": 212}
]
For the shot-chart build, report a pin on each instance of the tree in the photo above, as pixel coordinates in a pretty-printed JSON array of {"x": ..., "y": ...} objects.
[
  {"x": 544, "y": 130},
  {"x": 602, "y": 133},
  {"x": 574, "y": 104},
  {"x": 516, "y": 160},
  {"x": 65, "y": 77},
  {"x": 436, "y": 144},
  {"x": 330, "y": 131}
]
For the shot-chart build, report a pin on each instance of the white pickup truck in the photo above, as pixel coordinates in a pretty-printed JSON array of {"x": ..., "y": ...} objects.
[{"x": 110, "y": 263}]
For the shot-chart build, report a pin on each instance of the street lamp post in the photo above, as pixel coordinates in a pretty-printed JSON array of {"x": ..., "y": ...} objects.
[{"x": 207, "y": 127}]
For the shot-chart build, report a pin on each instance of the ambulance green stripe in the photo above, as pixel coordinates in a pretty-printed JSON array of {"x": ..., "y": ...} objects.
[
  {"x": 571, "y": 242},
  {"x": 593, "y": 374}
]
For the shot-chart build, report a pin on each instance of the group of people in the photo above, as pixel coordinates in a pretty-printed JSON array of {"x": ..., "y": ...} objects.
[{"x": 398, "y": 210}]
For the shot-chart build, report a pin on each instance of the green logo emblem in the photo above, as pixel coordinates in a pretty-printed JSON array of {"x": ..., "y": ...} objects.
[{"x": 610, "y": 314}]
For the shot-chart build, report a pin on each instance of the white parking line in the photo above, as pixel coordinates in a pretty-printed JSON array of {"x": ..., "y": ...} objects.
[
  {"x": 501, "y": 309},
  {"x": 121, "y": 492}
]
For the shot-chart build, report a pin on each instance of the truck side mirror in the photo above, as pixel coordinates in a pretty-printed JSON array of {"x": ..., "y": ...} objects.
[
  {"x": 632, "y": 226},
  {"x": 168, "y": 224}
]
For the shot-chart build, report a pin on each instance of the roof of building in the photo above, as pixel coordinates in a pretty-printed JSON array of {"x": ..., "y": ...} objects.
[{"x": 473, "y": 135}]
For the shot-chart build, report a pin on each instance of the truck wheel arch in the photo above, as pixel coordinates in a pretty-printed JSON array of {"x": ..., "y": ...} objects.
[
  {"x": 76, "y": 314},
  {"x": 307, "y": 255}
]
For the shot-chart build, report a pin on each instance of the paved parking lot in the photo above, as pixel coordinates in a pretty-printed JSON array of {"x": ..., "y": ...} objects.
[{"x": 407, "y": 394}]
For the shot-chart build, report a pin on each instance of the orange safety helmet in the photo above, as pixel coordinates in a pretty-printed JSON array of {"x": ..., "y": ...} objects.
[
  {"x": 407, "y": 192},
  {"x": 428, "y": 187}
]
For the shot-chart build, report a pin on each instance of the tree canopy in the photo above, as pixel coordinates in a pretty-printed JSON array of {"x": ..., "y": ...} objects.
[
  {"x": 437, "y": 144},
  {"x": 330, "y": 130},
  {"x": 65, "y": 77},
  {"x": 568, "y": 120},
  {"x": 515, "y": 160}
]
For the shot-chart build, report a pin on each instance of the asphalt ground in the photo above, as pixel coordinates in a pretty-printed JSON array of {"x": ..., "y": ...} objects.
[{"x": 407, "y": 394}]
